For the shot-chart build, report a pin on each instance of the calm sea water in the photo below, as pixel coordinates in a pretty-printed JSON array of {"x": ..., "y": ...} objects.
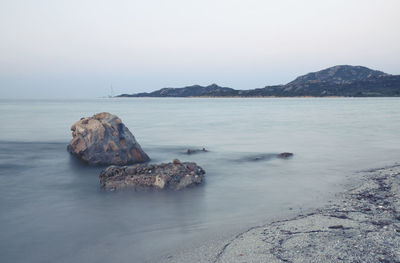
[{"x": 52, "y": 209}]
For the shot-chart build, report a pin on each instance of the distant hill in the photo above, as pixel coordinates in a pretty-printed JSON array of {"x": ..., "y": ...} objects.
[
  {"x": 190, "y": 91},
  {"x": 381, "y": 86},
  {"x": 342, "y": 80},
  {"x": 343, "y": 74}
]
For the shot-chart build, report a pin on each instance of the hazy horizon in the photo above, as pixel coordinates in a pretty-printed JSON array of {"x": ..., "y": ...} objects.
[{"x": 78, "y": 49}]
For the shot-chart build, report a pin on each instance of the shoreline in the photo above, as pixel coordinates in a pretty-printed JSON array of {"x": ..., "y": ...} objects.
[
  {"x": 270, "y": 97},
  {"x": 250, "y": 97},
  {"x": 361, "y": 224}
]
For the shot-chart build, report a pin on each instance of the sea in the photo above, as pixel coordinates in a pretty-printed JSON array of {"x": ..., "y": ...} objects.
[{"x": 52, "y": 208}]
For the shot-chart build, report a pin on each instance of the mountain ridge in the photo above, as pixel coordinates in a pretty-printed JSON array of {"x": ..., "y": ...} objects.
[
  {"x": 340, "y": 74},
  {"x": 189, "y": 91},
  {"x": 340, "y": 80}
]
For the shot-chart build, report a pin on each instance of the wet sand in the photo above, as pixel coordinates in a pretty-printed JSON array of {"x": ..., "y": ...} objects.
[{"x": 361, "y": 224}]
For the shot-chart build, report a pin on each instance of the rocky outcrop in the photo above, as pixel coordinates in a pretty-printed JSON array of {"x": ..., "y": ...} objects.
[
  {"x": 175, "y": 176},
  {"x": 104, "y": 140}
]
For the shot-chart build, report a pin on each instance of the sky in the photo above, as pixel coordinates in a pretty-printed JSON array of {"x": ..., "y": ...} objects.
[{"x": 80, "y": 48}]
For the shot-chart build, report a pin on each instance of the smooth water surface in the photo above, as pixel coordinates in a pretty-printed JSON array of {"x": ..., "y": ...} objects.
[{"x": 52, "y": 209}]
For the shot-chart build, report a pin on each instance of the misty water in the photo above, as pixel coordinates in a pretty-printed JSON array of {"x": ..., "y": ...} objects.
[{"x": 53, "y": 210}]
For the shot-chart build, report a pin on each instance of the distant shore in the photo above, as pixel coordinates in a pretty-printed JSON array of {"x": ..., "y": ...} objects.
[
  {"x": 336, "y": 81},
  {"x": 250, "y": 97},
  {"x": 361, "y": 225},
  {"x": 273, "y": 97}
]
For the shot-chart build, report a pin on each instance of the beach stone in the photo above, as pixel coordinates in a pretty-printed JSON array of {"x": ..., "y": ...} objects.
[
  {"x": 175, "y": 176},
  {"x": 104, "y": 140}
]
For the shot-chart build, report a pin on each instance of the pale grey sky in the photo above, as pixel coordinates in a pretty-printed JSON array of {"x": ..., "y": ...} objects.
[{"x": 78, "y": 48}]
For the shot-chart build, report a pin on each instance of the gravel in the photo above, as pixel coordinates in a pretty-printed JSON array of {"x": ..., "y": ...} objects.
[{"x": 361, "y": 224}]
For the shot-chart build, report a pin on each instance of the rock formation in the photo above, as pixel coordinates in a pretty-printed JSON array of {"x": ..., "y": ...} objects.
[
  {"x": 175, "y": 176},
  {"x": 104, "y": 140}
]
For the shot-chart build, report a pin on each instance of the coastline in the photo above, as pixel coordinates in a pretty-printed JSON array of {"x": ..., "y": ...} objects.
[
  {"x": 248, "y": 97},
  {"x": 270, "y": 97},
  {"x": 361, "y": 224}
]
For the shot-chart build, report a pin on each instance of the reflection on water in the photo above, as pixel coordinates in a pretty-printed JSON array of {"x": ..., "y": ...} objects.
[{"x": 52, "y": 209}]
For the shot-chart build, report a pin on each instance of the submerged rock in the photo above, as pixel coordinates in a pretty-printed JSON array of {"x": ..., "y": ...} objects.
[
  {"x": 191, "y": 151},
  {"x": 104, "y": 139},
  {"x": 285, "y": 155},
  {"x": 263, "y": 157},
  {"x": 175, "y": 176}
]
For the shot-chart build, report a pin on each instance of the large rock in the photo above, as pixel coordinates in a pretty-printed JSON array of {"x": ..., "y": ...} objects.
[
  {"x": 103, "y": 139},
  {"x": 175, "y": 176}
]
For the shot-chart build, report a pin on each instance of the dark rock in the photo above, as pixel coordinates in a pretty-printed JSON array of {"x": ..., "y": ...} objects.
[
  {"x": 103, "y": 139},
  {"x": 256, "y": 157},
  {"x": 285, "y": 155},
  {"x": 191, "y": 151},
  {"x": 175, "y": 176}
]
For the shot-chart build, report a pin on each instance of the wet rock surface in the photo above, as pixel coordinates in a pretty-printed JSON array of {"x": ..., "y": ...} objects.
[
  {"x": 259, "y": 157},
  {"x": 284, "y": 155},
  {"x": 104, "y": 140},
  {"x": 362, "y": 225},
  {"x": 192, "y": 151},
  {"x": 174, "y": 176},
  {"x": 264, "y": 157}
]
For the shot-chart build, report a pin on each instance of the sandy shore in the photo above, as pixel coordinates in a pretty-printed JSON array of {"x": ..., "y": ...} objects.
[{"x": 360, "y": 225}]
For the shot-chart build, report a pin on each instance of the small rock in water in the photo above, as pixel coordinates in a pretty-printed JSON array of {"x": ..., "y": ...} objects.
[
  {"x": 285, "y": 155},
  {"x": 175, "y": 176},
  {"x": 191, "y": 151}
]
